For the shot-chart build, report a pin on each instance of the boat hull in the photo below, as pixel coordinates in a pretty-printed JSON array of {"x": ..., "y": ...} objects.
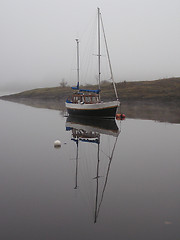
[{"x": 100, "y": 110}]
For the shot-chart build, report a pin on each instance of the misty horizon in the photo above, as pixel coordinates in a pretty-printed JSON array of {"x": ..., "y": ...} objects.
[{"x": 38, "y": 40}]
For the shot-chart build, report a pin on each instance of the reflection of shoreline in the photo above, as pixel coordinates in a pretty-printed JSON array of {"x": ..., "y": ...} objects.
[
  {"x": 39, "y": 103},
  {"x": 149, "y": 110},
  {"x": 157, "y": 111}
]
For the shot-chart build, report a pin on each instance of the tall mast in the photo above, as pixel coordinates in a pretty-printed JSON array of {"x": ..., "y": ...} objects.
[
  {"x": 99, "y": 51},
  {"x": 77, "y": 41}
]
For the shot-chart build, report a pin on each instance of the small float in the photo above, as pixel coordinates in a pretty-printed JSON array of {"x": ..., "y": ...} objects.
[
  {"x": 57, "y": 144},
  {"x": 120, "y": 116}
]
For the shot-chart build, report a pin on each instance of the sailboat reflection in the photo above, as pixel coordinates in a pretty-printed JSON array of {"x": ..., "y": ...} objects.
[{"x": 91, "y": 131}]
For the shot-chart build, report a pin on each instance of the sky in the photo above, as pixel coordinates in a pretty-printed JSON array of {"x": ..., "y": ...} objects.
[{"x": 37, "y": 42}]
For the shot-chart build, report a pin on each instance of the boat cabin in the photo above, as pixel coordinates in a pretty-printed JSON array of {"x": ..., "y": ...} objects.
[{"x": 82, "y": 98}]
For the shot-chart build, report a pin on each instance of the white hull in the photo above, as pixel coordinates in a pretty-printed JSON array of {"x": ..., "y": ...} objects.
[
  {"x": 95, "y": 106},
  {"x": 102, "y": 110}
]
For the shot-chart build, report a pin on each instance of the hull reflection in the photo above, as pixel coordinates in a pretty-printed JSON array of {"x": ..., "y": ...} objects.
[{"x": 104, "y": 126}]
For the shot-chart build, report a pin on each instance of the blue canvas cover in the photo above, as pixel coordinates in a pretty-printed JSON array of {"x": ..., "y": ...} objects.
[{"x": 88, "y": 90}]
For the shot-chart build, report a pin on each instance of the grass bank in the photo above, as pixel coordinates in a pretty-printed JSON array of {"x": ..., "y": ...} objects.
[{"x": 164, "y": 90}]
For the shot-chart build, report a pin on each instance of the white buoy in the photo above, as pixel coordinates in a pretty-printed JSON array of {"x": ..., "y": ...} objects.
[{"x": 57, "y": 144}]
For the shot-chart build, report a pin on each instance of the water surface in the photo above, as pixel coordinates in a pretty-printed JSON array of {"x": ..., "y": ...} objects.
[{"x": 107, "y": 181}]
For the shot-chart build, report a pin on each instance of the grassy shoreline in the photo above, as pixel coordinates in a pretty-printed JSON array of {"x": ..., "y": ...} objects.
[{"x": 164, "y": 90}]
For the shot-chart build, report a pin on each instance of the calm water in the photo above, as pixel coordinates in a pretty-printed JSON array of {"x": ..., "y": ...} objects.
[{"x": 120, "y": 181}]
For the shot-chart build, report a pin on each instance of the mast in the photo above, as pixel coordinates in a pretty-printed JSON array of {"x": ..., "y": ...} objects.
[
  {"x": 97, "y": 185},
  {"x": 99, "y": 51},
  {"x": 77, "y": 41},
  {"x": 76, "y": 177}
]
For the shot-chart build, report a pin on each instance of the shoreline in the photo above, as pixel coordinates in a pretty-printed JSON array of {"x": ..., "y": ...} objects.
[
  {"x": 165, "y": 90},
  {"x": 145, "y": 110}
]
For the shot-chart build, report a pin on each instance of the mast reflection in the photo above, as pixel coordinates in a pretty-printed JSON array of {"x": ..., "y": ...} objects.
[{"x": 91, "y": 131}]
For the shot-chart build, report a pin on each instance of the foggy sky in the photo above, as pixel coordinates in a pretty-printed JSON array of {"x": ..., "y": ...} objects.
[{"x": 37, "y": 39}]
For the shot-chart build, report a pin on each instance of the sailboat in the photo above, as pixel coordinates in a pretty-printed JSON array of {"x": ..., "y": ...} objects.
[
  {"x": 87, "y": 102},
  {"x": 93, "y": 133}
]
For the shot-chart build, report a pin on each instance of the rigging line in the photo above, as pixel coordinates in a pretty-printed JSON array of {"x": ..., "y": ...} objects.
[
  {"x": 88, "y": 25},
  {"x": 108, "y": 145},
  {"x": 104, "y": 153},
  {"x": 101, "y": 150},
  {"x": 107, "y": 148},
  {"x": 86, "y": 175},
  {"x": 114, "y": 85},
  {"x": 70, "y": 73},
  {"x": 86, "y": 58},
  {"x": 107, "y": 174}
]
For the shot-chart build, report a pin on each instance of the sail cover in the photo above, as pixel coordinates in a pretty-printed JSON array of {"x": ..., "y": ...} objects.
[{"x": 87, "y": 90}]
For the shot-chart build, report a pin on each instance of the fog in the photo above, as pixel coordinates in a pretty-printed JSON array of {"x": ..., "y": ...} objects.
[{"x": 38, "y": 39}]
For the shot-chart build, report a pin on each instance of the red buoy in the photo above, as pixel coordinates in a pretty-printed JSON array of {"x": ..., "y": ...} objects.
[{"x": 120, "y": 116}]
